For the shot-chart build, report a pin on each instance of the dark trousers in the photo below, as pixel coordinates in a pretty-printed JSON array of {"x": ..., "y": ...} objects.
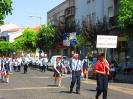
[
  {"x": 102, "y": 86},
  {"x": 46, "y": 67},
  {"x": 43, "y": 68},
  {"x": 75, "y": 79},
  {"x": 25, "y": 68},
  {"x": 19, "y": 67},
  {"x": 14, "y": 68}
]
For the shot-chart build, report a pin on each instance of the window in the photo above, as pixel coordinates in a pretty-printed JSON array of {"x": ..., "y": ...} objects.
[
  {"x": 89, "y": 18},
  {"x": 110, "y": 12},
  {"x": 62, "y": 18},
  {"x": 93, "y": 18}
]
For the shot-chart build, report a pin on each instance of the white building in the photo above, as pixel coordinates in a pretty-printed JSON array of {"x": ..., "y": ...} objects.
[
  {"x": 61, "y": 12},
  {"x": 56, "y": 14},
  {"x": 9, "y": 32},
  {"x": 93, "y": 10},
  {"x": 11, "y": 36}
]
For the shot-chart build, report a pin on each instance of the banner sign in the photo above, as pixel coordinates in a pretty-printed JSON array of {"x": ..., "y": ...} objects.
[
  {"x": 69, "y": 39},
  {"x": 106, "y": 41}
]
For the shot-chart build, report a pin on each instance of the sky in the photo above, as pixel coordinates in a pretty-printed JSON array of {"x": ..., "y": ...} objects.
[{"x": 23, "y": 9}]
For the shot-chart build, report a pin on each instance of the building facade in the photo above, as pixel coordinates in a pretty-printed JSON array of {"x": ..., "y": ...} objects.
[
  {"x": 10, "y": 36},
  {"x": 93, "y": 10},
  {"x": 61, "y": 12},
  {"x": 56, "y": 14},
  {"x": 9, "y": 32},
  {"x": 62, "y": 15}
]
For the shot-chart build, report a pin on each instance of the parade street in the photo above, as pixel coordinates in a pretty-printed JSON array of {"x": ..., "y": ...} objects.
[{"x": 40, "y": 85}]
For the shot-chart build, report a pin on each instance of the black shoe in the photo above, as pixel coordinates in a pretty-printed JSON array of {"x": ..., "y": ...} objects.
[{"x": 77, "y": 92}]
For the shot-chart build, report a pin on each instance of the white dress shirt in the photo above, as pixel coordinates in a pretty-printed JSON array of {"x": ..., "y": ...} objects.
[{"x": 76, "y": 65}]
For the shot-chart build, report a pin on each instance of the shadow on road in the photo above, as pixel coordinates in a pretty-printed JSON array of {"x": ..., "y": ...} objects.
[
  {"x": 52, "y": 85},
  {"x": 92, "y": 90},
  {"x": 64, "y": 91},
  {"x": 1, "y": 81}
]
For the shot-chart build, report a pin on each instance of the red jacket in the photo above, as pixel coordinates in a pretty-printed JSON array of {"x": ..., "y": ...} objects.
[{"x": 102, "y": 68}]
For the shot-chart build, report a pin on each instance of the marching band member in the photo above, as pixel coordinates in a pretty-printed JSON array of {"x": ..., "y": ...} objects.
[
  {"x": 76, "y": 67},
  {"x": 102, "y": 72}
]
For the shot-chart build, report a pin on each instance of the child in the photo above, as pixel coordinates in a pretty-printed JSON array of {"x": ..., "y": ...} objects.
[{"x": 57, "y": 71}]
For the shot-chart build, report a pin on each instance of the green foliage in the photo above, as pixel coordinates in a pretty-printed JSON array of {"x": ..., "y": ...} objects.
[
  {"x": 90, "y": 31},
  {"x": 19, "y": 44},
  {"x": 46, "y": 37},
  {"x": 27, "y": 42},
  {"x": 6, "y": 48},
  {"x": 81, "y": 41},
  {"x": 126, "y": 13},
  {"x": 5, "y": 9}
]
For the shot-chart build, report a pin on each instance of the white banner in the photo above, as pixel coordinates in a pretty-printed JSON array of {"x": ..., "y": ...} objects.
[
  {"x": 66, "y": 42},
  {"x": 106, "y": 41}
]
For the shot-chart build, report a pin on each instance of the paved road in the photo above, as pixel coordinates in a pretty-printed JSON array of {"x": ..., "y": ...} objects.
[{"x": 39, "y": 85}]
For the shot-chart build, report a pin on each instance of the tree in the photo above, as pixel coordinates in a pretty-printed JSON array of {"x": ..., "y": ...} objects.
[
  {"x": 5, "y": 9},
  {"x": 6, "y": 48},
  {"x": 81, "y": 41},
  {"x": 19, "y": 44},
  {"x": 126, "y": 13},
  {"x": 46, "y": 37},
  {"x": 28, "y": 40},
  {"x": 90, "y": 31}
]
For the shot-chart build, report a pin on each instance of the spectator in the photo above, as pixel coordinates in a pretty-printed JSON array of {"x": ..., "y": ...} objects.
[
  {"x": 112, "y": 72},
  {"x": 85, "y": 63}
]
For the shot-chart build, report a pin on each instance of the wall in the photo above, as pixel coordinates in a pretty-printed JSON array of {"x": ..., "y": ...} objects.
[
  {"x": 100, "y": 7},
  {"x": 57, "y": 11}
]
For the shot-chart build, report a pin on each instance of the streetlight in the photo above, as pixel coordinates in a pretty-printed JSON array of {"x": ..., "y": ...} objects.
[{"x": 40, "y": 18}]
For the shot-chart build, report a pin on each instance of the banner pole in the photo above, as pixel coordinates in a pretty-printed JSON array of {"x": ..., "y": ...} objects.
[{"x": 105, "y": 53}]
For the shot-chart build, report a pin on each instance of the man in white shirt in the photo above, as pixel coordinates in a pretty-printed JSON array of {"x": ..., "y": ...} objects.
[{"x": 76, "y": 67}]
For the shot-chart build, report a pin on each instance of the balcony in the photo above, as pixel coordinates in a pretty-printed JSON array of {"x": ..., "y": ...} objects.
[{"x": 70, "y": 11}]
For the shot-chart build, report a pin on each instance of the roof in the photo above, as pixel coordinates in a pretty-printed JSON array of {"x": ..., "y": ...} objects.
[
  {"x": 56, "y": 7},
  {"x": 9, "y": 28}
]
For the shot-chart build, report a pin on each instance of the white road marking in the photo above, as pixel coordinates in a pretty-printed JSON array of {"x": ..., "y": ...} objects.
[
  {"x": 39, "y": 77},
  {"x": 31, "y": 88}
]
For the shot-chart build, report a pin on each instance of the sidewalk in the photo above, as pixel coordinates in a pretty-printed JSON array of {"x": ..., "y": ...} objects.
[{"x": 124, "y": 78}]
